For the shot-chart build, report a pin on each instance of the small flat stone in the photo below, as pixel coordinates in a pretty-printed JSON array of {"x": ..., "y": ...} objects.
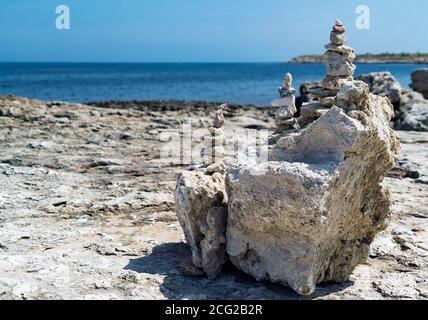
[
  {"x": 335, "y": 83},
  {"x": 216, "y": 167},
  {"x": 341, "y": 49},
  {"x": 289, "y": 102},
  {"x": 283, "y": 102},
  {"x": 284, "y": 92},
  {"x": 322, "y": 93},
  {"x": 310, "y": 112},
  {"x": 313, "y": 109},
  {"x": 283, "y": 114},
  {"x": 328, "y": 101}
]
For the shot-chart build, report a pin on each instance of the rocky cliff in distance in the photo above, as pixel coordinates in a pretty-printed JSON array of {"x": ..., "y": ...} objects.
[{"x": 410, "y": 58}]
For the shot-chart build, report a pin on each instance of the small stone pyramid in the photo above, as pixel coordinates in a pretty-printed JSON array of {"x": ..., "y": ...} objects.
[
  {"x": 340, "y": 69},
  {"x": 339, "y": 59},
  {"x": 213, "y": 153},
  {"x": 284, "y": 115}
]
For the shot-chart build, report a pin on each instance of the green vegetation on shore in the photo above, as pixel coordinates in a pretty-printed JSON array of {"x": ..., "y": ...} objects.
[{"x": 419, "y": 58}]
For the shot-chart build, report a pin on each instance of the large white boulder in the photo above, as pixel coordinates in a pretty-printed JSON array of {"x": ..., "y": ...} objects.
[{"x": 309, "y": 214}]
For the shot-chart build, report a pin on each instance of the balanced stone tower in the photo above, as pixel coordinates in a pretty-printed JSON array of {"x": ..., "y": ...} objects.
[
  {"x": 284, "y": 115},
  {"x": 340, "y": 69},
  {"x": 339, "y": 59},
  {"x": 201, "y": 202},
  {"x": 213, "y": 153},
  {"x": 309, "y": 212}
]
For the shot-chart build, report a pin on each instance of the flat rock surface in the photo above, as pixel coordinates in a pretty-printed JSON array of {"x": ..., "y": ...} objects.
[{"x": 87, "y": 208}]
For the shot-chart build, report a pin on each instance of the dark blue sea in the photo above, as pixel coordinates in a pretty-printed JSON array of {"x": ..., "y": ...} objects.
[{"x": 253, "y": 83}]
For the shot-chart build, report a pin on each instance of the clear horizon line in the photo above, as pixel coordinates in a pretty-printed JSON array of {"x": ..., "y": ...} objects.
[{"x": 175, "y": 62}]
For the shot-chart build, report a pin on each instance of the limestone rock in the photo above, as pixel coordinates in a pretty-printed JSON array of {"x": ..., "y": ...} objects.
[
  {"x": 409, "y": 98},
  {"x": 338, "y": 38},
  {"x": 201, "y": 200},
  {"x": 312, "y": 91},
  {"x": 328, "y": 101},
  {"x": 309, "y": 214},
  {"x": 383, "y": 84},
  {"x": 420, "y": 81},
  {"x": 311, "y": 111},
  {"x": 353, "y": 96},
  {"x": 338, "y": 64},
  {"x": 335, "y": 83},
  {"x": 415, "y": 118},
  {"x": 285, "y": 102},
  {"x": 219, "y": 117},
  {"x": 216, "y": 167},
  {"x": 213, "y": 246},
  {"x": 338, "y": 27},
  {"x": 341, "y": 49},
  {"x": 286, "y": 125}
]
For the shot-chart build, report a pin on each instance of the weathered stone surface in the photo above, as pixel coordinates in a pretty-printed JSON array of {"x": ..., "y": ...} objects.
[
  {"x": 138, "y": 221},
  {"x": 338, "y": 64},
  {"x": 420, "y": 81},
  {"x": 335, "y": 83},
  {"x": 216, "y": 167},
  {"x": 414, "y": 119},
  {"x": 286, "y": 102},
  {"x": 309, "y": 214},
  {"x": 312, "y": 91},
  {"x": 213, "y": 246},
  {"x": 354, "y": 96},
  {"x": 285, "y": 125},
  {"x": 311, "y": 111},
  {"x": 200, "y": 199},
  {"x": 341, "y": 49},
  {"x": 338, "y": 38},
  {"x": 328, "y": 101},
  {"x": 131, "y": 212},
  {"x": 409, "y": 98},
  {"x": 383, "y": 84},
  {"x": 283, "y": 114}
]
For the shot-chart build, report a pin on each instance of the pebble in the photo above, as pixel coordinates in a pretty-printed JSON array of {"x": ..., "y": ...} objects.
[
  {"x": 328, "y": 101},
  {"x": 337, "y": 38},
  {"x": 283, "y": 102}
]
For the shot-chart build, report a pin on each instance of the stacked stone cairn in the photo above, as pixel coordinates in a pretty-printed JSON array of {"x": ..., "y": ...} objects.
[
  {"x": 213, "y": 152},
  {"x": 340, "y": 69},
  {"x": 286, "y": 106},
  {"x": 308, "y": 213},
  {"x": 201, "y": 202}
]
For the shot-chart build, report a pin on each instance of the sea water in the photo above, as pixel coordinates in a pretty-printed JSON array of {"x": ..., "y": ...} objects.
[{"x": 246, "y": 83}]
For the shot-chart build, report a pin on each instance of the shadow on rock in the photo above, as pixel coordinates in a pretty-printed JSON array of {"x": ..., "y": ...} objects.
[{"x": 166, "y": 259}]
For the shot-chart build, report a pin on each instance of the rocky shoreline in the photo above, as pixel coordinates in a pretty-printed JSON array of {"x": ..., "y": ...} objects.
[
  {"x": 368, "y": 59},
  {"x": 87, "y": 208}
]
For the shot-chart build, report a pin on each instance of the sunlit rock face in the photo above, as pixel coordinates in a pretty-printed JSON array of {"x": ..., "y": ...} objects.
[{"x": 309, "y": 214}]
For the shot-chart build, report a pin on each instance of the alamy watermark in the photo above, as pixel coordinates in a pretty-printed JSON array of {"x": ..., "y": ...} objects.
[
  {"x": 363, "y": 20},
  {"x": 62, "y": 22},
  {"x": 184, "y": 146}
]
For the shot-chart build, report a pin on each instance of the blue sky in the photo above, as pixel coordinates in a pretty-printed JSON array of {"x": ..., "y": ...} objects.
[{"x": 202, "y": 30}]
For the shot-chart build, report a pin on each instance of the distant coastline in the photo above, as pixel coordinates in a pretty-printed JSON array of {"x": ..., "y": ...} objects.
[{"x": 407, "y": 58}]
